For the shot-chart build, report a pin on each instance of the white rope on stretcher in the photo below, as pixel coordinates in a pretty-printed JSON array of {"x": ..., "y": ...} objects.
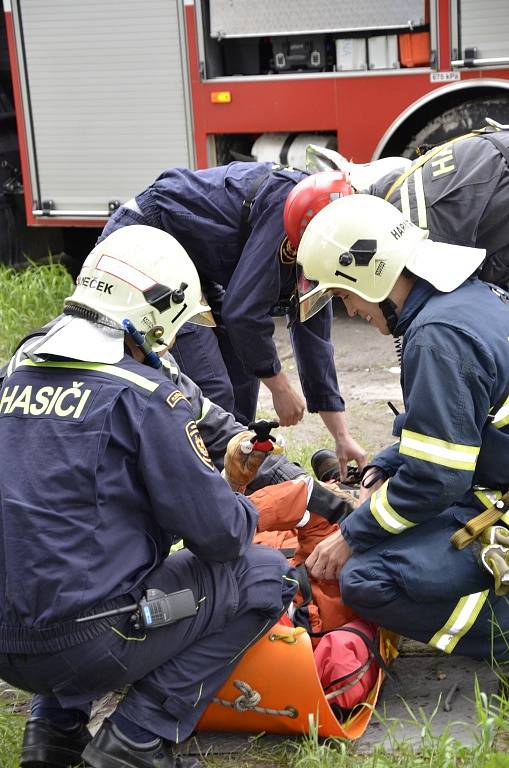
[
  {"x": 248, "y": 702},
  {"x": 360, "y": 672}
]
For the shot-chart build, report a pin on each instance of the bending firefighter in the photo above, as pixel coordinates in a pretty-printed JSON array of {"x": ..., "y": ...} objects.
[
  {"x": 415, "y": 557},
  {"x": 102, "y": 467},
  {"x": 230, "y": 221},
  {"x": 457, "y": 191}
]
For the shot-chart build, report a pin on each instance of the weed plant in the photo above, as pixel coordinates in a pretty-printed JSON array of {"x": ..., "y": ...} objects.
[{"x": 29, "y": 297}]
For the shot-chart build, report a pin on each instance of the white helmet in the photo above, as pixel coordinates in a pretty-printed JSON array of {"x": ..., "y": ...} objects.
[
  {"x": 361, "y": 243},
  {"x": 137, "y": 273},
  {"x": 360, "y": 175}
]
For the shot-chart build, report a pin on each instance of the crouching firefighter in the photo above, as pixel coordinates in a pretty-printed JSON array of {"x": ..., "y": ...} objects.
[
  {"x": 425, "y": 555},
  {"x": 102, "y": 468}
]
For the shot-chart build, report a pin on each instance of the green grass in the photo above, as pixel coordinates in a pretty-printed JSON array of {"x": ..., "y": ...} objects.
[
  {"x": 13, "y": 705},
  {"x": 29, "y": 298}
]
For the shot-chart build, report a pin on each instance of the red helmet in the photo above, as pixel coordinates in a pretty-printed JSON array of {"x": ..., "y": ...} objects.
[{"x": 308, "y": 197}]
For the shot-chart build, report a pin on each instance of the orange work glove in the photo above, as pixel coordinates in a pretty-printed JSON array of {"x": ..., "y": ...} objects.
[{"x": 241, "y": 462}]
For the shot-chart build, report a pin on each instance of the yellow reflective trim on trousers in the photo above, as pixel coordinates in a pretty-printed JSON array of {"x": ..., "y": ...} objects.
[
  {"x": 205, "y": 408},
  {"x": 460, "y": 622},
  {"x": 111, "y": 370},
  {"x": 501, "y": 417},
  {"x": 438, "y": 451},
  {"x": 387, "y": 517}
]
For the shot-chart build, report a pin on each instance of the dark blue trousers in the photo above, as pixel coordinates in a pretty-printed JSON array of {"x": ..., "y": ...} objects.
[
  {"x": 417, "y": 584},
  {"x": 181, "y": 666}
]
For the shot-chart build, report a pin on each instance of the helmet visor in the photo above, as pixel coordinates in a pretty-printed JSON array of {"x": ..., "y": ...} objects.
[
  {"x": 312, "y": 298},
  {"x": 203, "y": 315}
]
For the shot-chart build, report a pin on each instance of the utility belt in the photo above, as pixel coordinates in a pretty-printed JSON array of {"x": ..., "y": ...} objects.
[{"x": 493, "y": 540}]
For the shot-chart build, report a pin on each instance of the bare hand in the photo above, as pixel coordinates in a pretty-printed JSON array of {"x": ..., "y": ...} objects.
[
  {"x": 288, "y": 404},
  {"x": 348, "y": 449},
  {"x": 289, "y": 407},
  {"x": 328, "y": 557}
]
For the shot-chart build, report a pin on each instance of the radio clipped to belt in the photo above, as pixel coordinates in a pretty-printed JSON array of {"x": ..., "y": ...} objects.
[{"x": 155, "y": 609}]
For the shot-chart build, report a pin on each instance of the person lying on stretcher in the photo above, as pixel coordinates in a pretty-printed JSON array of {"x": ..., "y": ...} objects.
[{"x": 294, "y": 516}]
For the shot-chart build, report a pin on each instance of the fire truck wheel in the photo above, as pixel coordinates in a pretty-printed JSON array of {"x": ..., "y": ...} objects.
[{"x": 458, "y": 120}]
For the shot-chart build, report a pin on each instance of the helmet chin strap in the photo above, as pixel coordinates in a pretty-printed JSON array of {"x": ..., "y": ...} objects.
[{"x": 388, "y": 308}]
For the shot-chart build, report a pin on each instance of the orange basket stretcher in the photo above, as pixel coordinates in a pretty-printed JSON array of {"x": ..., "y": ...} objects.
[{"x": 276, "y": 688}]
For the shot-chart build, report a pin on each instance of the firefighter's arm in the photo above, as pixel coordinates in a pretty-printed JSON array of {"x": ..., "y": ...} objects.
[
  {"x": 251, "y": 293},
  {"x": 216, "y": 425},
  {"x": 287, "y": 402},
  {"x": 447, "y": 397},
  {"x": 189, "y": 498}
]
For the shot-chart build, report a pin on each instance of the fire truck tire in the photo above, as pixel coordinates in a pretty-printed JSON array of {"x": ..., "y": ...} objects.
[{"x": 458, "y": 120}]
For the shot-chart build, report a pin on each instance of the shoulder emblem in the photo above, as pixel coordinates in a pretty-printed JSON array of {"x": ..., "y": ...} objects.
[
  {"x": 198, "y": 446},
  {"x": 287, "y": 253},
  {"x": 174, "y": 397}
]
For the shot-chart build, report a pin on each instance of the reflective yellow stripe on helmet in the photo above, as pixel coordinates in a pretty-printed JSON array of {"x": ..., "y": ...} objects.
[
  {"x": 459, "y": 622},
  {"x": 111, "y": 370},
  {"x": 438, "y": 451},
  {"x": 385, "y": 515}
]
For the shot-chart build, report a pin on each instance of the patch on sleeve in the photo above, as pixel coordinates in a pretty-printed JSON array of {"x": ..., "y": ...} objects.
[
  {"x": 287, "y": 253},
  {"x": 199, "y": 447},
  {"x": 174, "y": 398}
]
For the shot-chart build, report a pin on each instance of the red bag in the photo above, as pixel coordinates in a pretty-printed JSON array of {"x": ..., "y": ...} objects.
[{"x": 346, "y": 664}]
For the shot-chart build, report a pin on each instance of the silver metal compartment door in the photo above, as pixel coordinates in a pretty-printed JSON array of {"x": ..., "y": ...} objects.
[
  {"x": 105, "y": 98},
  {"x": 245, "y": 18},
  {"x": 484, "y": 24}
]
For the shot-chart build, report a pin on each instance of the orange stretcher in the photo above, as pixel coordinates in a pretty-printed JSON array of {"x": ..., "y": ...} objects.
[{"x": 275, "y": 688}]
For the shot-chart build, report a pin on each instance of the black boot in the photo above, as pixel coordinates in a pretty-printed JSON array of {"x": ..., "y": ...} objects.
[
  {"x": 108, "y": 749},
  {"x": 325, "y": 465},
  {"x": 47, "y": 746}
]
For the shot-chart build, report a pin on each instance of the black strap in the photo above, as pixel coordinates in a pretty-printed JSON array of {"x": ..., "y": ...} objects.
[
  {"x": 247, "y": 204},
  {"x": 300, "y": 617}
]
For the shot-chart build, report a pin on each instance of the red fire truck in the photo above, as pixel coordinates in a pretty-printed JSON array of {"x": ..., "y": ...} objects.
[{"x": 97, "y": 97}]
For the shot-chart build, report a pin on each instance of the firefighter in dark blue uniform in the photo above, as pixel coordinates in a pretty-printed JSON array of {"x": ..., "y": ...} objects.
[
  {"x": 102, "y": 468},
  {"x": 404, "y": 557},
  {"x": 457, "y": 191},
  {"x": 230, "y": 221}
]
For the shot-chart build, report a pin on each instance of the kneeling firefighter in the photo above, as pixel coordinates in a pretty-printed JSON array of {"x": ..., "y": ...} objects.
[
  {"x": 427, "y": 554},
  {"x": 102, "y": 467}
]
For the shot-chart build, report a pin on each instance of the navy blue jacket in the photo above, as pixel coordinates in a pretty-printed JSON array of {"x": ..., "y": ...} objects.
[
  {"x": 101, "y": 468},
  {"x": 454, "y": 372},
  {"x": 460, "y": 196},
  {"x": 202, "y": 210}
]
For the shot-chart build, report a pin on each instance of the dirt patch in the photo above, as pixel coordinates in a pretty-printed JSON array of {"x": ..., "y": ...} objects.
[{"x": 368, "y": 374}]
